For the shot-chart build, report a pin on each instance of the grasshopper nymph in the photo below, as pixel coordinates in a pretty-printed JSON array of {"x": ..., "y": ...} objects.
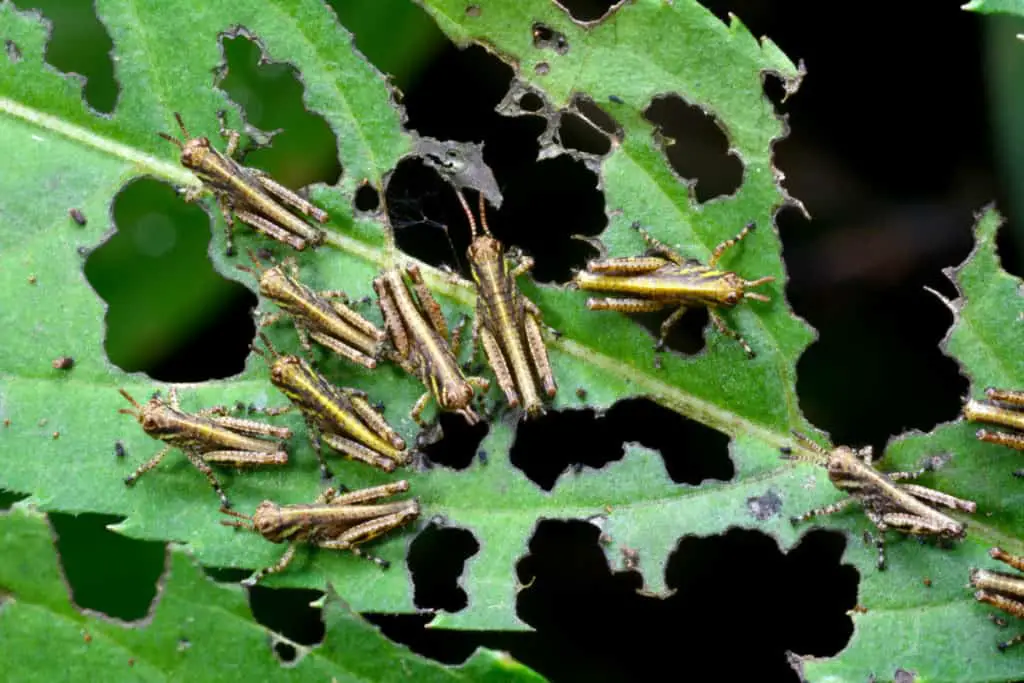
[
  {"x": 1001, "y": 589},
  {"x": 249, "y": 194},
  {"x": 320, "y": 316},
  {"x": 663, "y": 278},
  {"x": 507, "y": 324},
  {"x": 206, "y": 437},
  {"x": 420, "y": 337},
  {"x": 335, "y": 521},
  {"x": 889, "y": 505},
  {"x": 341, "y": 417},
  {"x": 1004, "y": 408}
]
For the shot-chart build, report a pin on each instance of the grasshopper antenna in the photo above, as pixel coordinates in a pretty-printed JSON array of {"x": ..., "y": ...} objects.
[
  {"x": 483, "y": 214},
  {"x": 126, "y": 411},
  {"x": 245, "y": 523},
  {"x": 805, "y": 441}
]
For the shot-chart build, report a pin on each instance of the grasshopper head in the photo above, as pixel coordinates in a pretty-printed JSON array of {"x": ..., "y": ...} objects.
[
  {"x": 733, "y": 289},
  {"x": 194, "y": 151},
  {"x": 153, "y": 416},
  {"x": 457, "y": 397},
  {"x": 286, "y": 371},
  {"x": 267, "y": 521},
  {"x": 845, "y": 460}
]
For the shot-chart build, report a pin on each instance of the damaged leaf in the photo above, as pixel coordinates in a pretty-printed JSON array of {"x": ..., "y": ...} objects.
[
  {"x": 192, "y": 625},
  {"x": 940, "y": 632}
]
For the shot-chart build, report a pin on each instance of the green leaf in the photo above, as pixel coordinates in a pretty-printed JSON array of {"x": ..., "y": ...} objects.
[
  {"x": 197, "y": 630},
  {"x": 88, "y": 159},
  {"x": 940, "y": 632},
  {"x": 996, "y": 6}
]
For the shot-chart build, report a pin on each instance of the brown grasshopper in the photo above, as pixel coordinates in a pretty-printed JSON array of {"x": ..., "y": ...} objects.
[
  {"x": 663, "y": 278},
  {"x": 319, "y": 316},
  {"x": 889, "y": 505},
  {"x": 1002, "y": 590},
  {"x": 340, "y": 416},
  {"x": 247, "y": 193},
  {"x": 507, "y": 324},
  {"x": 338, "y": 521},
  {"x": 421, "y": 341},
  {"x": 1004, "y": 408},
  {"x": 206, "y": 437}
]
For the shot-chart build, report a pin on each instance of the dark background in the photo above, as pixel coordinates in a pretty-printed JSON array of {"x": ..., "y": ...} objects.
[{"x": 903, "y": 129}]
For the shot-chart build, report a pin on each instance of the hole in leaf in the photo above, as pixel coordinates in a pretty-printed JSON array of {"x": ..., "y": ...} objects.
[
  {"x": 367, "y": 199},
  {"x": 437, "y": 558},
  {"x": 686, "y": 336},
  {"x": 540, "y": 451},
  {"x": 9, "y": 498},
  {"x": 426, "y": 216},
  {"x": 12, "y": 50},
  {"x": 693, "y": 452},
  {"x": 200, "y": 326},
  {"x": 595, "y": 621},
  {"x": 576, "y": 133},
  {"x": 227, "y": 574},
  {"x": 589, "y": 10},
  {"x": 531, "y": 102},
  {"x": 287, "y": 611},
  {"x": 459, "y": 443},
  {"x": 270, "y": 94},
  {"x": 700, "y": 149},
  {"x": 105, "y": 571},
  {"x": 285, "y": 652},
  {"x": 455, "y": 100},
  {"x": 446, "y": 646},
  {"x": 596, "y": 116},
  {"x": 809, "y": 586},
  {"x": 546, "y": 38},
  {"x": 78, "y": 44}
]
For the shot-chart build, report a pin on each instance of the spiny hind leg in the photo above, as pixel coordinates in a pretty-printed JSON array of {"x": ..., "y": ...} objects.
[{"x": 656, "y": 246}]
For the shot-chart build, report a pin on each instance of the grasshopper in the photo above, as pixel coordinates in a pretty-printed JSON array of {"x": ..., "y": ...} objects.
[
  {"x": 1004, "y": 408},
  {"x": 1002, "y": 590},
  {"x": 318, "y": 315},
  {"x": 507, "y": 324},
  {"x": 205, "y": 437},
  {"x": 887, "y": 504},
  {"x": 339, "y": 521},
  {"x": 341, "y": 417},
  {"x": 663, "y": 278},
  {"x": 420, "y": 337},
  {"x": 249, "y": 194}
]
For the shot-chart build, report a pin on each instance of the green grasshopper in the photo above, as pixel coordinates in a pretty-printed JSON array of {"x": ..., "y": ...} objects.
[
  {"x": 205, "y": 437},
  {"x": 663, "y": 278},
  {"x": 1002, "y": 590},
  {"x": 335, "y": 521},
  {"x": 889, "y": 505},
  {"x": 341, "y": 417},
  {"x": 420, "y": 338},
  {"x": 319, "y": 316},
  {"x": 507, "y": 324},
  {"x": 247, "y": 193}
]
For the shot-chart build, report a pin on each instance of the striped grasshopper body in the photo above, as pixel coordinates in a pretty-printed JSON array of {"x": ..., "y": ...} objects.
[
  {"x": 887, "y": 503},
  {"x": 207, "y": 437},
  {"x": 338, "y": 416},
  {"x": 507, "y": 324},
  {"x": 664, "y": 279},
  {"x": 246, "y": 193},
  {"x": 1003, "y": 408},
  {"x": 420, "y": 338},
  {"x": 320, "y": 316},
  {"x": 335, "y": 521},
  {"x": 1001, "y": 589}
]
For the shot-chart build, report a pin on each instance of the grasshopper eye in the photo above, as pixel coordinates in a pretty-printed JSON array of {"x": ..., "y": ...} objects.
[{"x": 732, "y": 298}]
